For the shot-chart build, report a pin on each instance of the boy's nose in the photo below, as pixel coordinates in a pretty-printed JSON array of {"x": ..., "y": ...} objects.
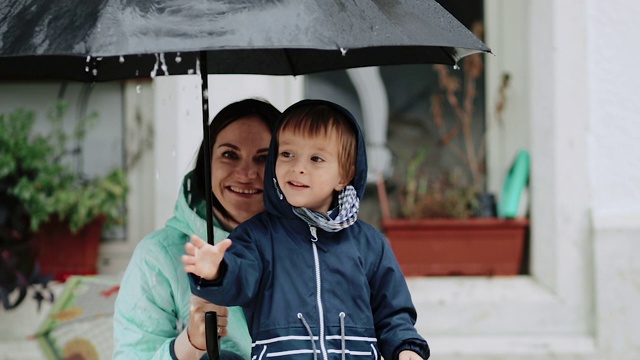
[{"x": 298, "y": 167}]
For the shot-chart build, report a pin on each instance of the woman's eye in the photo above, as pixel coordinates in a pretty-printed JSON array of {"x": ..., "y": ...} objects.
[
  {"x": 230, "y": 155},
  {"x": 261, "y": 159},
  {"x": 316, "y": 159}
]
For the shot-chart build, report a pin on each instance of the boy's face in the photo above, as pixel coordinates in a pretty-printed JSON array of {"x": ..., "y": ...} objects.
[{"x": 308, "y": 170}]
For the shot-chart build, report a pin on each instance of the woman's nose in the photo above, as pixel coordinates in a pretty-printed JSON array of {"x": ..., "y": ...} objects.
[{"x": 249, "y": 170}]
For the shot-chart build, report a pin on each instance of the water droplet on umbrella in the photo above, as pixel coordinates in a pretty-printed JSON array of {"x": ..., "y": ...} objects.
[
  {"x": 456, "y": 67},
  {"x": 343, "y": 51},
  {"x": 190, "y": 71},
  {"x": 88, "y": 58},
  {"x": 163, "y": 64},
  {"x": 94, "y": 72},
  {"x": 121, "y": 59},
  {"x": 178, "y": 58},
  {"x": 155, "y": 67},
  {"x": 86, "y": 69}
]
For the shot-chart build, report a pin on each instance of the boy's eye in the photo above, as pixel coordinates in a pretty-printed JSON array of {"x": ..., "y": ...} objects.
[
  {"x": 230, "y": 155},
  {"x": 286, "y": 154},
  {"x": 317, "y": 159}
]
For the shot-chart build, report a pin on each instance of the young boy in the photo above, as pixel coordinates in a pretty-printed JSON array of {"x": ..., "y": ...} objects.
[{"x": 314, "y": 282}]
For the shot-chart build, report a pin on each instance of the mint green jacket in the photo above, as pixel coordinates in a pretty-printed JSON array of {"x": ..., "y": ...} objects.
[{"x": 152, "y": 306}]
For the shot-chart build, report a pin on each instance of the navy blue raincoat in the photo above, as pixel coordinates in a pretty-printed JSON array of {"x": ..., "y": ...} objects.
[{"x": 312, "y": 294}]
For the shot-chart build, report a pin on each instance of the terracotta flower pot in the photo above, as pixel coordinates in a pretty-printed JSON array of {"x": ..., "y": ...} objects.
[
  {"x": 61, "y": 253},
  {"x": 479, "y": 246}
]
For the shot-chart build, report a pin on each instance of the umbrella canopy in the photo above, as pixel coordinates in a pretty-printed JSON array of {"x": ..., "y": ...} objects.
[{"x": 102, "y": 40}]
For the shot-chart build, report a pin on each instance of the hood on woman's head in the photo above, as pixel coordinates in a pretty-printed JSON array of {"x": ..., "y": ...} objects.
[{"x": 273, "y": 198}]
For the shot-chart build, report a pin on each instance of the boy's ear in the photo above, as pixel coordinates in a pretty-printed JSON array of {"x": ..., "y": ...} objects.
[{"x": 345, "y": 181}]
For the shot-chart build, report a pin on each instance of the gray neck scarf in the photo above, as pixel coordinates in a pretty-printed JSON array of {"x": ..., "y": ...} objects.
[{"x": 348, "y": 207}]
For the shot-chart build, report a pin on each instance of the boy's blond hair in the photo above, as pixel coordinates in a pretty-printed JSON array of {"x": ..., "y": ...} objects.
[{"x": 322, "y": 120}]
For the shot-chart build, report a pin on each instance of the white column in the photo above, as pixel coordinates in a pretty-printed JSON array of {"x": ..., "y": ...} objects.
[
  {"x": 178, "y": 134},
  {"x": 375, "y": 113}
]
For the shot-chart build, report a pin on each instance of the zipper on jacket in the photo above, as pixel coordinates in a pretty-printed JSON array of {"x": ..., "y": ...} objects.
[{"x": 314, "y": 238}]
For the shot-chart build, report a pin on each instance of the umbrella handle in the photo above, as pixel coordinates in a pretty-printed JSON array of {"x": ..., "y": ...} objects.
[{"x": 211, "y": 335}]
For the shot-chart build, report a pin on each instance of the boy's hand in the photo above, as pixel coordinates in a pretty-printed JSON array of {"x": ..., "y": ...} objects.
[
  {"x": 202, "y": 258},
  {"x": 409, "y": 355}
]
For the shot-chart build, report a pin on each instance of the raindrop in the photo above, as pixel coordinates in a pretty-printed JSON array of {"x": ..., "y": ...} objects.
[
  {"x": 343, "y": 51},
  {"x": 121, "y": 59},
  {"x": 205, "y": 106},
  {"x": 198, "y": 287},
  {"x": 178, "y": 58},
  {"x": 94, "y": 72},
  {"x": 88, "y": 58},
  {"x": 205, "y": 94},
  {"x": 157, "y": 175},
  {"x": 163, "y": 64},
  {"x": 137, "y": 72},
  {"x": 138, "y": 88},
  {"x": 155, "y": 67},
  {"x": 86, "y": 69},
  {"x": 456, "y": 67},
  {"x": 173, "y": 152},
  {"x": 99, "y": 59},
  {"x": 190, "y": 71}
]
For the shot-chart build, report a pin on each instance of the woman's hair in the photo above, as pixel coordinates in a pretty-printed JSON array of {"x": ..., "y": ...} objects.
[
  {"x": 232, "y": 112},
  {"x": 321, "y": 120}
]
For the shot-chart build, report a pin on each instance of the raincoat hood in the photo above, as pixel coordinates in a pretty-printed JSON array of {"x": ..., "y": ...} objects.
[{"x": 274, "y": 199}]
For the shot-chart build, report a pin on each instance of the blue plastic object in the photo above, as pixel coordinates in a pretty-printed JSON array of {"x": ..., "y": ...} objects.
[{"x": 515, "y": 182}]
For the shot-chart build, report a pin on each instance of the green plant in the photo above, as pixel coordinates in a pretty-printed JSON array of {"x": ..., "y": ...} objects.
[
  {"x": 426, "y": 195},
  {"x": 451, "y": 192},
  {"x": 37, "y": 183},
  {"x": 33, "y": 169}
]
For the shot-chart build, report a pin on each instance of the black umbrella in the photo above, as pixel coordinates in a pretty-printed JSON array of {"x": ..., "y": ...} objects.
[{"x": 101, "y": 40}]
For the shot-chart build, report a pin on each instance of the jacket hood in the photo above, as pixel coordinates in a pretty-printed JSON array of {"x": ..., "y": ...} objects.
[
  {"x": 274, "y": 200},
  {"x": 189, "y": 214}
]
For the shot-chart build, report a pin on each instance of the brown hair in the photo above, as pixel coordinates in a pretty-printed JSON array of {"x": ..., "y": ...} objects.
[{"x": 314, "y": 120}]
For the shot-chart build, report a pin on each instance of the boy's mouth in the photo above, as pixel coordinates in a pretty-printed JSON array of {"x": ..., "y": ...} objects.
[{"x": 297, "y": 184}]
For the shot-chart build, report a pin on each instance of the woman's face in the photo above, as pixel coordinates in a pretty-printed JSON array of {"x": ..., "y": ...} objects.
[{"x": 238, "y": 157}]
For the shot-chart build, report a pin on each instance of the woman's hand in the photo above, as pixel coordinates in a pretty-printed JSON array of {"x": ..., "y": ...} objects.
[
  {"x": 409, "y": 355},
  {"x": 196, "y": 327}
]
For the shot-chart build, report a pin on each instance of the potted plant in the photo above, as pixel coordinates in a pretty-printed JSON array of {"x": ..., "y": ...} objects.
[
  {"x": 444, "y": 222},
  {"x": 48, "y": 211}
]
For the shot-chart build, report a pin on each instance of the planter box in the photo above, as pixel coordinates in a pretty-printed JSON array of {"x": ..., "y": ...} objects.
[
  {"x": 61, "y": 253},
  {"x": 441, "y": 247}
]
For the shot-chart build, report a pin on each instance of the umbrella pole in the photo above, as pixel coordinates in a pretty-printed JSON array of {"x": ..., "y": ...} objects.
[
  {"x": 207, "y": 143},
  {"x": 211, "y": 318}
]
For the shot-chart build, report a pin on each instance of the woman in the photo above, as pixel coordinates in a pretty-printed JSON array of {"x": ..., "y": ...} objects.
[{"x": 156, "y": 317}]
